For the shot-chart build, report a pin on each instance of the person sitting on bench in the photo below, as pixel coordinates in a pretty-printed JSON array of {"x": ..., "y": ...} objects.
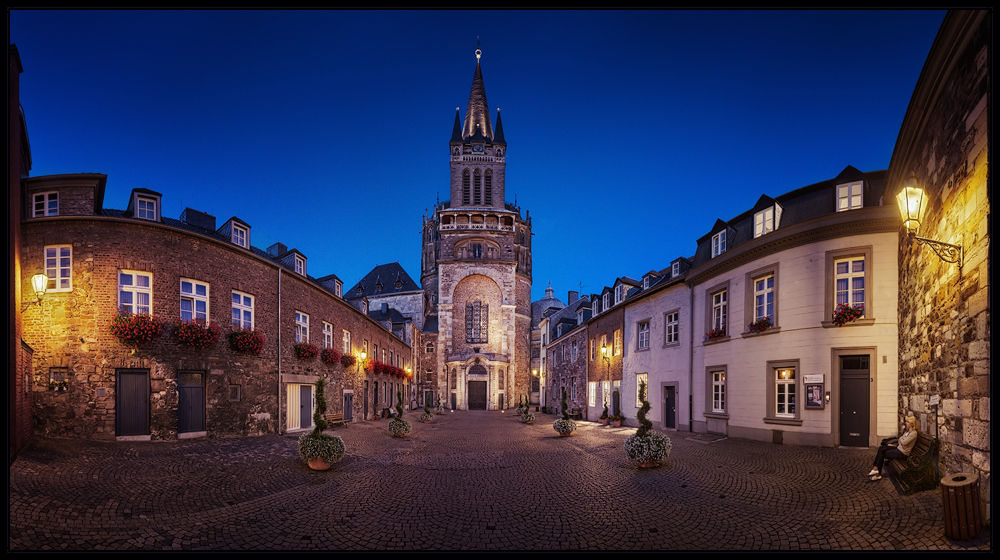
[{"x": 889, "y": 449}]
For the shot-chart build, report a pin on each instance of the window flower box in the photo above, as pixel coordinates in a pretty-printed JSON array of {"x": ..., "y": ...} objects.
[
  {"x": 306, "y": 351},
  {"x": 715, "y": 334},
  {"x": 348, "y": 360},
  {"x": 329, "y": 356},
  {"x": 196, "y": 334},
  {"x": 135, "y": 331},
  {"x": 246, "y": 341},
  {"x": 847, "y": 313},
  {"x": 760, "y": 325}
]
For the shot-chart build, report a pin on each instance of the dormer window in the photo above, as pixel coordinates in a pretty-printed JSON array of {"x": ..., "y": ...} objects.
[
  {"x": 593, "y": 308},
  {"x": 718, "y": 243},
  {"x": 300, "y": 265},
  {"x": 763, "y": 222},
  {"x": 145, "y": 208},
  {"x": 241, "y": 236},
  {"x": 45, "y": 204},
  {"x": 675, "y": 269},
  {"x": 645, "y": 282},
  {"x": 618, "y": 294},
  {"x": 338, "y": 288},
  {"x": 849, "y": 196},
  {"x": 607, "y": 301},
  {"x": 579, "y": 317}
]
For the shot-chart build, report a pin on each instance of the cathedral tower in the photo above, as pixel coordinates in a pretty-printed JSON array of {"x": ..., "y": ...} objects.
[{"x": 476, "y": 269}]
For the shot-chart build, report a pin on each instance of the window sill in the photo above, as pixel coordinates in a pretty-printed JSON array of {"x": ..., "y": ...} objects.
[
  {"x": 783, "y": 421},
  {"x": 717, "y": 415},
  {"x": 646, "y": 349},
  {"x": 717, "y": 341},
  {"x": 672, "y": 345},
  {"x": 771, "y": 330},
  {"x": 866, "y": 322}
]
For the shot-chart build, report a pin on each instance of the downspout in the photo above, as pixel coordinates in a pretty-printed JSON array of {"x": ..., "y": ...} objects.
[
  {"x": 691, "y": 362},
  {"x": 279, "y": 352}
]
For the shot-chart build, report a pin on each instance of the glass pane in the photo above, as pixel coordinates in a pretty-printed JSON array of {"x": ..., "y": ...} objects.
[
  {"x": 142, "y": 280},
  {"x": 200, "y": 289},
  {"x": 236, "y": 299},
  {"x": 124, "y": 279},
  {"x": 842, "y": 267},
  {"x": 186, "y": 305},
  {"x": 247, "y": 301},
  {"x": 858, "y": 266},
  {"x": 236, "y": 317},
  {"x": 185, "y": 287},
  {"x": 64, "y": 261}
]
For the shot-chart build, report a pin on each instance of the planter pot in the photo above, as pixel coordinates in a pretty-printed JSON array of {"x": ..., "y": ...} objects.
[
  {"x": 604, "y": 421},
  {"x": 646, "y": 464},
  {"x": 565, "y": 435},
  {"x": 318, "y": 464},
  {"x": 618, "y": 423},
  {"x": 529, "y": 422},
  {"x": 426, "y": 421}
]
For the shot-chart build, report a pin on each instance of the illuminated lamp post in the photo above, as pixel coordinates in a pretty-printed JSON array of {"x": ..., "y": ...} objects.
[
  {"x": 39, "y": 283},
  {"x": 912, "y": 203}
]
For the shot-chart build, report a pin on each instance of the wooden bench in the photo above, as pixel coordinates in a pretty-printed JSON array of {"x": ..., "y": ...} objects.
[
  {"x": 335, "y": 419},
  {"x": 918, "y": 472},
  {"x": 576, "y": 414}
]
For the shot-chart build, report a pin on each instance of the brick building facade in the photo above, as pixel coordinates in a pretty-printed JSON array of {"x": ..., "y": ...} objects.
[{"x": 944, "y": 308}]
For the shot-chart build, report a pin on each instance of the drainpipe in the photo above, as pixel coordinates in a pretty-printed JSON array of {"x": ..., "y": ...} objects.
[
  {"x": 691, "y": 362},
  {"x": 279, "y": 352}
]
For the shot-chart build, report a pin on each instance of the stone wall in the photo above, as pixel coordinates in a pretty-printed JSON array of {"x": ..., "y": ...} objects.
[{"x": 944, "y": 308}]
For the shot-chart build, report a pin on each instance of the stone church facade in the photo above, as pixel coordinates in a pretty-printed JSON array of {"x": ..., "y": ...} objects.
[{"x": 476, "y": 272}]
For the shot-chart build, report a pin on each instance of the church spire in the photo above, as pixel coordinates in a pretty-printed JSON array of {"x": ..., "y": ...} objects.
[{"x": 477, "y": 115}]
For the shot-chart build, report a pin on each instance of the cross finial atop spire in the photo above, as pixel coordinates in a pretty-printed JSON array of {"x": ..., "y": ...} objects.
[{"x": 479, "y": 53}]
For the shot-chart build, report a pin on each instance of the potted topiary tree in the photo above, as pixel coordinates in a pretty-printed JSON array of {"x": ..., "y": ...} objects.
[
  {"x": 526, "y": 415},
  {"x": 646, "y": 447},
  {"x": 426, "y": 416},
  {"x": 564, "y": 425},
  {"x": 604, "y": 413},
  {"x": 397, "y": 426},
  {"x": 316, "y": 448},
  {"x": 438, "y": 409}
]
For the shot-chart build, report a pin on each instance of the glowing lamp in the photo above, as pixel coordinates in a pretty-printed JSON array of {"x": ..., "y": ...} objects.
[{"x": 913, "y": 202}]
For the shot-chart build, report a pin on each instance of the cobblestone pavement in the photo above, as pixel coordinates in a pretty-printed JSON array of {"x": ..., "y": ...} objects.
[{"x": 469, "y": 480}]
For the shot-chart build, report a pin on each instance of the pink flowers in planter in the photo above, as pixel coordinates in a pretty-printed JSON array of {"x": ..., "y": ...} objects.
[
  {"x": 135, "y": 331},
  {"x": 306, "y": 351},
  {"x": 760, "y": 325},
  {"x": 196, "y": 334},
  {"x": 848, "y": 313},
  {"x": 329, "y": 356},
  {"x": 715, "y": 334},
  {"x": 246, "y": 341},
  {"x": 348, "y": 360}
]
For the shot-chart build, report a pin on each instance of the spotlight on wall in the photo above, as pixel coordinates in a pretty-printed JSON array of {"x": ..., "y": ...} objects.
[{"x": 912, "y": 202}]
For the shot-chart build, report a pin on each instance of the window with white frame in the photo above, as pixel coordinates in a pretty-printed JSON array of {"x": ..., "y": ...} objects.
[
  {"x": 574, "y": 388},
  {"x": 718, "y": 243},
  {"x": 592, "y": 393},
  {"x": 718, "y": 391},
  {"x": 763, "y": 298},
  {"x": 45, "y": 204},
  {"x": 606, "y": 300},
  {"x": 719, "y": 310},
  {"x": 643, "y": 338},
  {"x": 327, "y": 335},
  {"x": 242, "y": 310},
  {"x": 849, "y": 196},
  {"x": 675, "y": 270},
  {"x": 619, "y": 290},
  {"x": 429, "y": 349},
  {"x": 593, "y": 349},
  {"x": 300, "y": 265},
  {"x": 645, "y": 282},
  {"x": 640, "y": 380},
  {"x": 145, "y": 208},
  {"x": 618, "y": 341},
  {"x": 579, "y": 317},
  {"x": 574, "y": 351},
  {"x": 301, "y": 327},
  {"x": 240, "y": 236},
  {"x": 763, "y": 222},
  {"x": 135, "y": 292},
  {"x": 593, "y": 308},
  {"x": 59, "y": 268},
  {"x": 784, "y": 392},
  {"x": 672, "y": 330},
  {"x": 849, "y": 282},
  {"x": 194, "y": 300}
]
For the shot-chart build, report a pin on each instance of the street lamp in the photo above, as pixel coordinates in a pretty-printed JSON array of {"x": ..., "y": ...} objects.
[{"x": 912, "y": 202}]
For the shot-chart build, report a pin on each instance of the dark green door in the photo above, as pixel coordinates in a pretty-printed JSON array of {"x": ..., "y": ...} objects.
[
  {"x": 854, "y": 396},
  {"x": 190, "y": 401},
  {"x": 132, "y": 402}
]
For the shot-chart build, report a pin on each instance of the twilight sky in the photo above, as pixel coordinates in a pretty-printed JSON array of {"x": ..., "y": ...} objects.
[{"x": 629, "y": 132}]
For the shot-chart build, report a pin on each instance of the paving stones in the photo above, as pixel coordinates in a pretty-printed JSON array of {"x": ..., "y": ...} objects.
[{"x": 474, "y": 480}]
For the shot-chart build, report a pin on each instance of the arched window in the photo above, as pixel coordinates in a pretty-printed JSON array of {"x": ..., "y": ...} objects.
[
  {"x": 477, "y": 189},
  {"x": 488, "y": 191},
  {"x": 476, "y": 321},
  {"x": 466, "y": 190}
]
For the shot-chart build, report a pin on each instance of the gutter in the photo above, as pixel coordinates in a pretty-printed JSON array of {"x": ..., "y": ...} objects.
[
  {"x": 691, "y": 362},
  {"x": 279, "y": 354}
]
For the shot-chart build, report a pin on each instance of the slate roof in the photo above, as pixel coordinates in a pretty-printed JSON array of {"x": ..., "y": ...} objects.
[{"x": 387, "y": 275}]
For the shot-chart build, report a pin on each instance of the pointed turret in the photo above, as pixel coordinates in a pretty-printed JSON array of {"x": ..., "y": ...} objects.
[
  {"x": 456, "y": 133},
  {"x": 477, "y": 115},
  {"x": 498, "y": 137}
]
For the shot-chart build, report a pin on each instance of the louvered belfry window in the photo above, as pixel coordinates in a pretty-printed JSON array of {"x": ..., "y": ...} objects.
[
  {"x": 466, "y": 189},
  {"x": 488, "y": 188},
  {"x": 476, "y": 321}
]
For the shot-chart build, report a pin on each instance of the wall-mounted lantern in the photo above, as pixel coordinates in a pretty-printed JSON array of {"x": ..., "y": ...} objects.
[
  {"x": 912, "y": 201},
  {"x": 39, "y": 282}
]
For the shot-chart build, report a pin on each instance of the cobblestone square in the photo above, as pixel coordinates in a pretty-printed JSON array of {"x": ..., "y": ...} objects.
[{"x": 470, "y": 480}]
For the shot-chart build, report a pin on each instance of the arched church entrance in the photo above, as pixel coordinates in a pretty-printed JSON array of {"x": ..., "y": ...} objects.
[{"x": 477, "y": 389}]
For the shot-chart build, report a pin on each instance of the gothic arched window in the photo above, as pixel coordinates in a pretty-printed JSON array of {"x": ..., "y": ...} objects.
[
  {"x": 466, "y": 190},
  {"x": 488, "y": 190},
  {"x": 477, "y": 189},
  {"x": 476, "y": 321}
]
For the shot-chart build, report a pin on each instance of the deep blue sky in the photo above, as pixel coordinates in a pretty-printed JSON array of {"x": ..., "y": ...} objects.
[{"x": 629, "y": 133}]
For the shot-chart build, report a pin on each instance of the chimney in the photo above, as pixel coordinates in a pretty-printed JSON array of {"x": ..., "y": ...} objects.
[
  {"x": 277, "y": 249},
  {"x": 572, "y": 297}
]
